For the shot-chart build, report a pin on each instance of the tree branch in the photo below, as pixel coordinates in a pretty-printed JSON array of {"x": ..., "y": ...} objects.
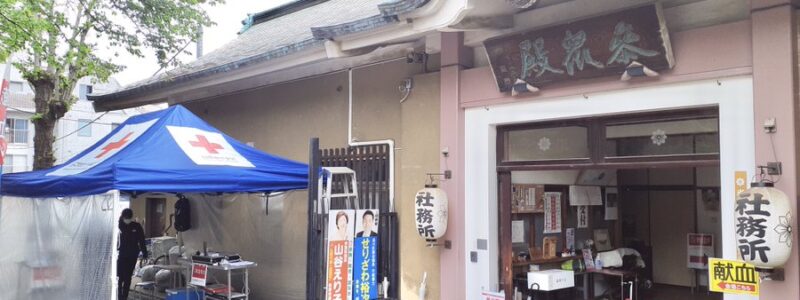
[{"x": 16, "y": 24}]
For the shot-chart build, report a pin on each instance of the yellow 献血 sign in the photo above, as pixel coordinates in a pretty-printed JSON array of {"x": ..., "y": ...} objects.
[{"x": 733, "y": 277}]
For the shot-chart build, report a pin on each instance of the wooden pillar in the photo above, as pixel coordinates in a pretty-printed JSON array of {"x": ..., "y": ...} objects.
[
  {"x": 506, "y": 251},
  {"x": 453, "y": 259}
]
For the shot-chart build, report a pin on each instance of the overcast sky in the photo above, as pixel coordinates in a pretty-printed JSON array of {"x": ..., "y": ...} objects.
[{"x": 228, "y": 18}]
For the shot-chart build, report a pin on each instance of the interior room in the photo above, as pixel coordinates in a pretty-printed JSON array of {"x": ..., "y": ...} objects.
[{"x": 642, "y": 198}]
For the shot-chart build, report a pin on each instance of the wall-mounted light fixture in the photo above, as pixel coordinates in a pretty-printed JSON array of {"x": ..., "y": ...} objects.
[
  {"x": 430, "y": 211},
  {"x": 522, "y": 87},
  {"x": 763, "y": 226},
  {"x": 405, "y": 88},
  {"x": 522, "y": 3},
  {"x": 637, "y": 69}
]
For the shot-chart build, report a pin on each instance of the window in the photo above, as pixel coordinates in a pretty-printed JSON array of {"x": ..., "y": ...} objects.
[
  {"x": 15, "y": 163},
  {"x": 84, "y": 127},
  {"x": 8, "y": 164},
  {"x": 551, "y": 143},
  {"x": 84, "y": 90},
  {"x": 659, "y": 138},
  {"x": 681, "y": 136},
  {"x": 16, "y": 131},
  {"x": 15, "y": 87}
]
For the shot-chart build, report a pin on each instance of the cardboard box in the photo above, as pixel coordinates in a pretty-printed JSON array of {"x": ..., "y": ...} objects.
[{"x": 550, "y": 280}]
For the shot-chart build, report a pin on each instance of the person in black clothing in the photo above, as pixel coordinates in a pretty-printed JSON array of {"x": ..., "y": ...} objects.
[{"x": 131, "y": 242}]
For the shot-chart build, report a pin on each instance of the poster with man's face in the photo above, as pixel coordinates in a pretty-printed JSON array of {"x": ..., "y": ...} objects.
[
  {"x": 366, "y": 223},
  {"x": 365, "y": 255}
]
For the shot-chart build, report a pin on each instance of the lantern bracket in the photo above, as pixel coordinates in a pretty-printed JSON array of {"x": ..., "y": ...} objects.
[
  {"x": 447, "y": 175},
  {"x": 774, "y": 168},
  {"x": 771, "y": 274},
  {"x": 430, "y": 243}
]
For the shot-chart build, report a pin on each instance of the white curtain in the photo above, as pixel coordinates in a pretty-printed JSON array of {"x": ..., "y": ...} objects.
[
  {"x": 276, "y": 241},
  {"x": 57, "y": 248}
]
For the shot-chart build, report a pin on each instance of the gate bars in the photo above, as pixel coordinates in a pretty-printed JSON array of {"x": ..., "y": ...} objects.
[{"x": 371, "y": 164}]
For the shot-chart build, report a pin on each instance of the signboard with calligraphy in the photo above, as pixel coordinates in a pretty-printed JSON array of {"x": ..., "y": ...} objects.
[
  {"x": 584, "y": 49},
  {"x": 552, "y": 212},
  {"x": 365, "y": 255},
  {"x": 583, "y": 216},
  {"x": 733, "y": 277}
]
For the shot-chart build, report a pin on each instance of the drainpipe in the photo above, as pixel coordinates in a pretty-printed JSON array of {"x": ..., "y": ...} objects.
[{"x": 352, "y": 142}]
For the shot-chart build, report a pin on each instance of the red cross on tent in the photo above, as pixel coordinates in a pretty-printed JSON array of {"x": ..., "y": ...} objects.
[
  {"x": 203, "y": 142},
  {"x": 114, "y": 145}
]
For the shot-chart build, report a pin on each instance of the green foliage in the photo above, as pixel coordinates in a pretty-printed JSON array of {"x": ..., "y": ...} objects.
[
  {"x": 36, "y": 117},
  {"x": 54, "y": 42},
  {"x": 61, "y": 36}
]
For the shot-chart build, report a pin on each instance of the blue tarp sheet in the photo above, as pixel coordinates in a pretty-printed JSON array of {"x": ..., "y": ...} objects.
[{"x": 171, "y": 150}]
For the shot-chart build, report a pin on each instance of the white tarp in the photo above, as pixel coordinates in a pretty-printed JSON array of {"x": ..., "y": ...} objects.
[
  {"x": 57, "y": 248},
  {"x": 276, "y": 241}
]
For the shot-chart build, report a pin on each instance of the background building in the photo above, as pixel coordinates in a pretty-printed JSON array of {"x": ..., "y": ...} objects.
[{"x": 78, "y": 129}]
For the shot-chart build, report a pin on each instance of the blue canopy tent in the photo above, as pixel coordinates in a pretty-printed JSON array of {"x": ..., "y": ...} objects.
[
  {"x": 165, "y": 151},
  {"x": 57, "y": 225}
]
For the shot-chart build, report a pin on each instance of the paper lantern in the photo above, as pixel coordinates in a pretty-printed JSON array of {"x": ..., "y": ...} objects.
[
  {"x": 430, "y": 212},
  {"x": 763, "y": 221}
]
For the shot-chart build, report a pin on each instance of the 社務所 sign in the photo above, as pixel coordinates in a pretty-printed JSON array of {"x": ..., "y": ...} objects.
[
  {"x": 589, "y": 48},
  {"x": 733, "y": 277}
]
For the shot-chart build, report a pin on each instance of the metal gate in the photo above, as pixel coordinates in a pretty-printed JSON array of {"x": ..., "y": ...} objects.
[{"x": 371, "y": 164}]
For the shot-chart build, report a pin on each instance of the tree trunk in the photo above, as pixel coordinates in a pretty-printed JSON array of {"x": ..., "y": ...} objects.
[{"x": 48, "y": 111}]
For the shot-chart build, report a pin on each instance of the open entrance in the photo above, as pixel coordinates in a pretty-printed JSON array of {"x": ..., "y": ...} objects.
[{"x": 639, "y": 193}]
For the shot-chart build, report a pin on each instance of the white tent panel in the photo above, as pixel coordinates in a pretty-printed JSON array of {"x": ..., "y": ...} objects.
[{"x": 57, "y": 248}]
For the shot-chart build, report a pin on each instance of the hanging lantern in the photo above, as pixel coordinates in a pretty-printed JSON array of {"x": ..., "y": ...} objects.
[
  {"x": 763, "y": 221},
  {"x": 430, "y": 206}
]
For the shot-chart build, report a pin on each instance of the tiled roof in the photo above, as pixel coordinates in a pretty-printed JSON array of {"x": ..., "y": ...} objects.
[{"x": 279, "y": 37}]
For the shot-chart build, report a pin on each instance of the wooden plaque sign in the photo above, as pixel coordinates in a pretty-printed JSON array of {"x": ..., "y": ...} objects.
[{"x": 589, "y": 48}]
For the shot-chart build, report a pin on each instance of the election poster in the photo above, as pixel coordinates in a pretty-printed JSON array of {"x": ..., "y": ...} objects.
[
  {"x": 340, "y": 255},
  {"x": 365, "y": 255}
]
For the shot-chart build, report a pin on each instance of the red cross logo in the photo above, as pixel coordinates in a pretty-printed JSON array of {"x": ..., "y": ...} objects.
[
  {"x": 203, "y": 142},
  {"x": 114, "y": 145}
]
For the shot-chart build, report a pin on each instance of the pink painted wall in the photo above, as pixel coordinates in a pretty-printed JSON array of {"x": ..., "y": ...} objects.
[
  {"x": 775, "y": 96},
  {"x": 452, "y": 261},
  {"x": 711, "y": 52}
]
